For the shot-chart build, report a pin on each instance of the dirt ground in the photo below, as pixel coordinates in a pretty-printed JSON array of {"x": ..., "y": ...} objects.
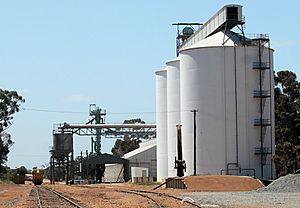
[
  {"x": 106, "y": 195},
  {"x": 12, "y": 195}
]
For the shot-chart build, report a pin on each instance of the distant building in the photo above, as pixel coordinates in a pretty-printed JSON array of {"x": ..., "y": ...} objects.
[{"x": 144, "y": 156}]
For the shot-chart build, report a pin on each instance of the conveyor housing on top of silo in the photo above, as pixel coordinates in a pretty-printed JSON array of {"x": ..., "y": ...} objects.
[{"x": 225, "y": 19}]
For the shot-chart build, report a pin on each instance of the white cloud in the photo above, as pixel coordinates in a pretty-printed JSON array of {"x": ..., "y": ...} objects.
[{"x": 285, "y": 43}]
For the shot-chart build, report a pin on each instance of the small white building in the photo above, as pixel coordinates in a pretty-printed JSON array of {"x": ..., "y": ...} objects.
[
  {"x": 145, "y": 157},
  {"x": 140, "y": 159}
]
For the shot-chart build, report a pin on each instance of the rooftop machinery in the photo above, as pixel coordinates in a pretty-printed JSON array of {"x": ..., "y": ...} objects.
[
  {"x": 227, "y": 78},
  {"x": 96, "y": 126}
]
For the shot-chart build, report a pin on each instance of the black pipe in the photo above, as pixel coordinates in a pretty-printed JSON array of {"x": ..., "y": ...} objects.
[
  {"x": 261, "y": 110},
  {"x": 271, "y": 116},
  {"x": 179, "y": 143},
  {"x": 180, "y": 163},
  {"x": 195, "y": 141}
]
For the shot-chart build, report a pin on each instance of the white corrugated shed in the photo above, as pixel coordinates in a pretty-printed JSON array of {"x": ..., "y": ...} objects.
[
  {"x": 143, "y": 147},
  {"x": 144, "y": 156}
]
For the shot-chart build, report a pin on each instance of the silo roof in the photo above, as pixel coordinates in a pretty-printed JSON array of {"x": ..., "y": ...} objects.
[
  {"x": 219, "y": 39},
  {"x": 173, "y": 60}
]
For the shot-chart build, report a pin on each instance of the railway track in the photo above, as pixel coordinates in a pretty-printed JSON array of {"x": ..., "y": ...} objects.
[
  {"x": 163, "y": 195},
  {"x": 118, "y": 197},
  {"x": 156, "y": 203},
  {"x": 156, "y": 199},
  {"x": 161, "y": 200},
  {"x": 46, "y": 197}
]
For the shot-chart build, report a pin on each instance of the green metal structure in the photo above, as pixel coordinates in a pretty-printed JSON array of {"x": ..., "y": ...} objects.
[{"x": 98, "y": 115}]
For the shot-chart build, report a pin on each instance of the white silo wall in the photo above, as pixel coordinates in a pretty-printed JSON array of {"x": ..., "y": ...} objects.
[
  {"x": 173, "y": 115},
  {"x": 161, "y": 122},
  {"x": 219, "y": 81},
  {"x": 201, "y": 89}
]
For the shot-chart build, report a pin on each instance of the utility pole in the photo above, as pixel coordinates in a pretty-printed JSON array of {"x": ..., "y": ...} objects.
[{"x": 195, "y": 156}]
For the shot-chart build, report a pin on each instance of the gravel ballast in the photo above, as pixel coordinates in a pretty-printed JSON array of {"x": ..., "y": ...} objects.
[{"x": 288, "y": 183}]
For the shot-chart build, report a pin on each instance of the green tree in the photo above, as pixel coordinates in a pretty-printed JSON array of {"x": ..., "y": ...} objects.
[
  {"x": 9, "y": 104},
  {"x": 129, "y": 143},
  {"x": 287, "y": 118}
]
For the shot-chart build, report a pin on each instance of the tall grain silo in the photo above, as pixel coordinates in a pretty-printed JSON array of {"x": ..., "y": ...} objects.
[
  {"x": 228, "y": 79},
  {"x": 161, "y": 122},
  {"x": 230, "y": 84},
  {"x": 173, "y": 111}
]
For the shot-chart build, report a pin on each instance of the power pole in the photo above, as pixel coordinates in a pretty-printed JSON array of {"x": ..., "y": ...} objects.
[{"x": 195, "y": 156}]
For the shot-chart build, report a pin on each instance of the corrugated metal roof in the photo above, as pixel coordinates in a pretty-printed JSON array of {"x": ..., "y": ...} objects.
[{"x": 143, "y": 147}]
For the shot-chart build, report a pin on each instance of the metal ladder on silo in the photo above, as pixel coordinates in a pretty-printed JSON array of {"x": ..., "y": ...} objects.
[{"x": 264, "y": 96}]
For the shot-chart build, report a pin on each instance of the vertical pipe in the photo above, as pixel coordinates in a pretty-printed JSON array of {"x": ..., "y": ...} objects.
[
  {"x": 51, "y": 171},
  {"x": 271, "y": 109},
  {"x": 68, "y": 171},
  {"x": 195, "y": 142},
  {"x": 179, "y": 142},
  {"x": 80, "y": 167},
  {"x": 261, "y": 109},
  {"x": 92, "y": 145},
  {"x": 72, "y": 167},
  {"x": 87, "y": 165},
  {"x": 236, "y": 108},
  {"x": 180, "y": 163}
]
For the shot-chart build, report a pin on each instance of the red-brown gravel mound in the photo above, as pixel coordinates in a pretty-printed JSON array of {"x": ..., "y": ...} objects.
[{"x": 221, "y": 183}]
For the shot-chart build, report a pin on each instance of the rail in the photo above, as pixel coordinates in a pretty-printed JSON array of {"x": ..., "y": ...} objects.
[
  {"x": 38, "y": 198},
  {"x": 144, "y": 192},
  {"x": 64, "y": 198},
  {"x": 143, "y": 195},
  {"x": 167, "y": 195}
]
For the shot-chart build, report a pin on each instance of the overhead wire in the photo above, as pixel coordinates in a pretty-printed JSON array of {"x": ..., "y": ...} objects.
[
  {"x": 27, "y": 155},
  {"x": 112, "y": 113},
  {"x": 209, "y": 114},
  {"x": 52, "y": 111}
]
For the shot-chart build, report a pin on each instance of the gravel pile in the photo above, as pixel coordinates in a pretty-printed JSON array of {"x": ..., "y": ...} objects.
[
  {"x": 288, "y": 183},
  {"x": 281, "y": 193},
  {"x": 251, "y": 199}
]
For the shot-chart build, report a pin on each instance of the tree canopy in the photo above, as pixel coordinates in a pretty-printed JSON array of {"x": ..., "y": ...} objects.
[
  {"x": 9, "y": 104},
  {"x": 129, "y": 143},
  {"x": 287, "y": 122}
]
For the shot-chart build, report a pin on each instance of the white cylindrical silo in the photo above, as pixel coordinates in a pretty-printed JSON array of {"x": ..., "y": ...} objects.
[
  {"x": 217, "y": 79},
  {"x": 161, "y": 123},
  {"x": 173, "y": 111},
  {"x": 202, "y": 81}
]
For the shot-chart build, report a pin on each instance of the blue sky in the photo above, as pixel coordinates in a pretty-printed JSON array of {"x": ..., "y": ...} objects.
[{"x": 64, "y": 55}]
